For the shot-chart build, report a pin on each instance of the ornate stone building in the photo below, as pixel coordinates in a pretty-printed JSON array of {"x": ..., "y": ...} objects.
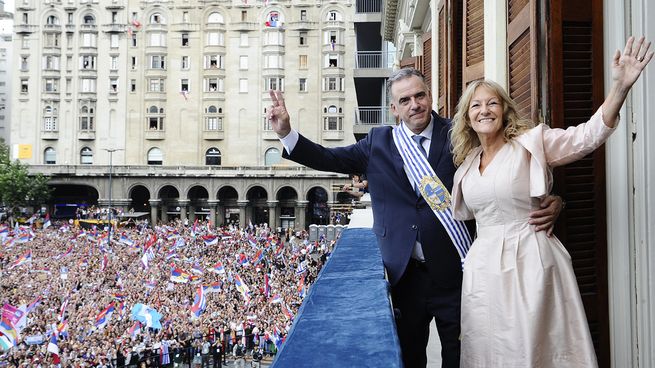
[{"x": 169, "y": 99}]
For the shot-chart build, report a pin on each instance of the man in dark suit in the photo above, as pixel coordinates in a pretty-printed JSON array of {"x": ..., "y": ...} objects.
[{"x": 422, "y": 264}]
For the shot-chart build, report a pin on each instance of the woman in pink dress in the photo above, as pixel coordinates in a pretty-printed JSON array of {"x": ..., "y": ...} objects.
[{"x": 520, "y": 302}]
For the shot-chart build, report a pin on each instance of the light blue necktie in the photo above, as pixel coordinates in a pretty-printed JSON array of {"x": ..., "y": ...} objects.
[{"x": 419, "y": 140}]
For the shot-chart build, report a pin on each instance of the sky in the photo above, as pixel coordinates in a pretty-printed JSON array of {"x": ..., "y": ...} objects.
[{"x": 9, "y": 5}]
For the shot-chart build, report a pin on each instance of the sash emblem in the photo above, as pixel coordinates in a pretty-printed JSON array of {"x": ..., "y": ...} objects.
[{"x": 435, "y": 193}]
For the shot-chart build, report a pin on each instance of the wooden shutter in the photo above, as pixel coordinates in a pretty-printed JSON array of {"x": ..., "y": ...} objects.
[
  {"x": 473, "y": 46},
  {"x": 443, "y": 49},
  {"x": 522, "y": 56},
  {"x": 426, "y": 66},
  {"x": 575, "y": 92},
  {"x": 449, "y": 62}
]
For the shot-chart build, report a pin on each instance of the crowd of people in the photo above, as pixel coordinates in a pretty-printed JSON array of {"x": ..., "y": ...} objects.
[{"x": 72, "y": 283}]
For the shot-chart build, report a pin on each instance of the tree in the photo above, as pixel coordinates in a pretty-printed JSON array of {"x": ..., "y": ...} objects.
[{"x": 19, "y": 188}]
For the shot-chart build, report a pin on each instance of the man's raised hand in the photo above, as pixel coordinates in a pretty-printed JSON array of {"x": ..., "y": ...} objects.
[{"x": 278, "y": 115}]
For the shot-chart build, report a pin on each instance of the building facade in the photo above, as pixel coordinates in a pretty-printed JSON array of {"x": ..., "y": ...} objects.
[
  {"x": 6, "y": 51},
  {"x": 152, "y": 91},
  {"x": 553, "y": 58}
]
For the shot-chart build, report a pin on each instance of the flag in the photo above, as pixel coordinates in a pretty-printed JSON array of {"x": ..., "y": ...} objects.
[
  {"x": 267, "y": 286},
  {"x": 136, "y": 23},
  {"x": 242, "y": 287},
  {"x": 104, "y": 263},
  {"x": 242, "y": 260},
  {"x": 62, "y": 309},
  {"x": 218, "y": 268},
  {"x": 179, "y": 275},
  {"x": 258, "y": 256},
  {"x": 302, "y": 268},
  {"x": 129, "y": 31},
  {"x": 199, "y": 302},
  {"x": 62, "y": 328},
  {"x": 301, "y": 287},
  {"x": 146, "y": 315},
  {"x": 197, "y": 269},
  {"x": 102, "y": 319},
  {"x": 67, "y": 252},
  {"x": 8, "y": 330},
  {"x": 164, "y": 355},
  {"x": 52, "y": 345},
  {"x": 194, "y": 229},
  {"x": 47, "y": 223},
  {"x": 33, "y": 304},
  {"x": 277, "y": 338},
  {"x": 144, "y": 260},
  {"x": 171, "y": 255},
  {"x": 287, "y": 311},
  {"x": 332, "y": 43},
  {"x": 26, "y": 257},
  {"x": 125, "y": 240},
  {"x": 151, "y": 284},
  {"x": 210, "y": 239},
  {"x": 135, "y": 329},
  {"x": 276, "y": 299},
  {"x": 4, "y": 232},
  {"x": 213, "y": 287},
  {"x": 179, "y": 243}
]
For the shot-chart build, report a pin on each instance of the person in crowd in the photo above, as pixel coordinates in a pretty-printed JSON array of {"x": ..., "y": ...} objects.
[
  {"x": 97, "y": 275},
  {"x": 357, "y": 187},
  {"x": 422, "y": 262},
  {"x": 521, "y": 306}
]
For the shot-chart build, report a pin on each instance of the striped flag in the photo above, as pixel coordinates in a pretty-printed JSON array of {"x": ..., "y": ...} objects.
[
  {"x": 218, "y": 268},
  {"x": 135, "y": 329},
  {"x": 276, "y": 299},
  {"x": 210, "y": 239},
  {"x": 199, "y": 302},
  {"x": 102, "y": 319},
  {"x": 26, "y": 257}
]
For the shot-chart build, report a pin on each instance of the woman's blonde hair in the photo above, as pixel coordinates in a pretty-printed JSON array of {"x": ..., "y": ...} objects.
[{"x": 464, "y": 139}]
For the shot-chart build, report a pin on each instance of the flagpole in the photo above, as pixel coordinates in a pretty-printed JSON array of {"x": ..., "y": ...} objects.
[{"x": 109, "y": 212}]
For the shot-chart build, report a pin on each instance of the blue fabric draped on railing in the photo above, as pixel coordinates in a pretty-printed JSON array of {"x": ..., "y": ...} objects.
[{"x": 346, "y": 319}]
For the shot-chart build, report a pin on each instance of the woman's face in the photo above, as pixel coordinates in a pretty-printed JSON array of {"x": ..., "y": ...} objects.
[{"x": 486, "y": 112}]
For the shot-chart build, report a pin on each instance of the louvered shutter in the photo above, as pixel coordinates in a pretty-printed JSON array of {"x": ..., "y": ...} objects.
[
  {"x": 426, "y": 66},
  {"x": 443, "y": 49},
  {"x": 473, "y": 46},
  {"x": 522, "y": 56},
  {"x": 575, "y": 92}
]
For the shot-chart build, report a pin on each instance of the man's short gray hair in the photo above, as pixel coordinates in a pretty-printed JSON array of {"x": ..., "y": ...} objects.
[{"x": 402, "y": 74}]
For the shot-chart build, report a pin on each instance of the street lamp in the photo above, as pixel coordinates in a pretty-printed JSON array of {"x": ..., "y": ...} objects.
[{"x": 111, "y": 167}]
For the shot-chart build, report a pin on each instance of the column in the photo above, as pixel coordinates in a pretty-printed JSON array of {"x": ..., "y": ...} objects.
[
  {"x": 273, "y": 217},
  {"x": 242, "y": 203},
  {"x": 301, "y": 206},
  {"x": 215, "y": 216},
  {"x": 183, "y": 203},
  {"x": 154, "y": 204}
]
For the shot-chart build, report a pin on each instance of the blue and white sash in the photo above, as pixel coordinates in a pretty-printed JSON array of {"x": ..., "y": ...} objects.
[{"x": 432, "y": 189}]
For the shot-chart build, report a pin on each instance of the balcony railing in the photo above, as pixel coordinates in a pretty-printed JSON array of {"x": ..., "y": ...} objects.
[
  {"x": 374, "y": 115},
  {"x": 368, "y": 6},
  {"x": 373, "y": 60}
]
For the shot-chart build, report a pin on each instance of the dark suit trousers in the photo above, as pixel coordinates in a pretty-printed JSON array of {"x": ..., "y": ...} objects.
[{"x": 418, "y": 302}]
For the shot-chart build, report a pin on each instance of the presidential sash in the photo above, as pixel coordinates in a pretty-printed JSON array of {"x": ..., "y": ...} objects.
[{"x": 432, "y": 189}]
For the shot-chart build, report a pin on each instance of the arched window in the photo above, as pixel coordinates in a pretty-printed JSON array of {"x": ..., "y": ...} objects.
[
  {"x": 50, "y": 117},
  {"x": 333, "y": 15},
  {"x": 272, "y": 157},
  {"x": 49, "y": 156},
  {"x": 213, "y": 157},
  {"x": 86, "y": 156},
  {"x": 157, "y": 18},
  {"x": 215, "y": 18},
  {"x": 87, "y": 117},
  {"x": 332, "y": 118},
  {"x": 52, "y": 20},
  {"x": 89, "y": 19},
  {"x": 155, "y": 118},
  {"x": 213, "y": 118},
  {"x": 155, "y": 156}
]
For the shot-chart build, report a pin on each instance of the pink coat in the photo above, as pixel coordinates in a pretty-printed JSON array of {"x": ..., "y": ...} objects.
[{"x": 548, "y": 148}]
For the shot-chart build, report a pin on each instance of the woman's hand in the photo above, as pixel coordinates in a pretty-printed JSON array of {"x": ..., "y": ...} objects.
[{"x": 627, "y": 66}]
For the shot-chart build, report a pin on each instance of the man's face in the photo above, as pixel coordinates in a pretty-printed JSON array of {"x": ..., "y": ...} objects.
[{"x": 411, "y": 101}]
